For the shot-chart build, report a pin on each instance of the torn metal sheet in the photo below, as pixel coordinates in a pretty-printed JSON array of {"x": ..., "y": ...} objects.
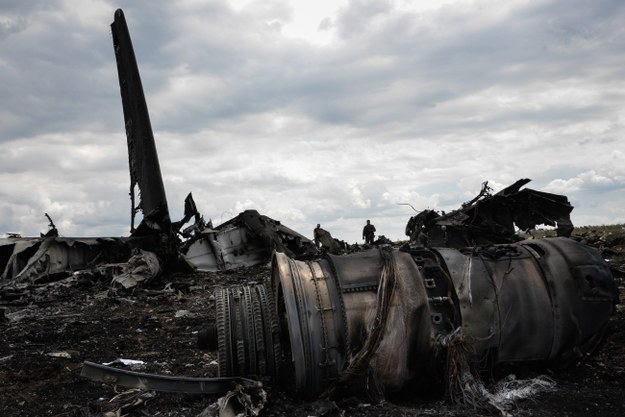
[
  {"x": 34, "y": 259},
  {"x": 325, "y": 241},
  {"x": 237, "y": 403},
  {"x": 382, "y": 316},
  {"x": 141, "y": 267},
  {"x": 246, "y": 240},
  {"x": 491, "y": 218},
  {"x": 165, "y": 383}
]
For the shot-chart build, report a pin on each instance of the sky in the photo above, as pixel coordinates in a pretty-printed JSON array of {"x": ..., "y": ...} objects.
[{"x": 329, "y": 112}]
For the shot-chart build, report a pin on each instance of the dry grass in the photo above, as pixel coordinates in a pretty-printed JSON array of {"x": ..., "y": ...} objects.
[
  {"x": 611, "y": 231},
  {"x": 614, "y": 230}
]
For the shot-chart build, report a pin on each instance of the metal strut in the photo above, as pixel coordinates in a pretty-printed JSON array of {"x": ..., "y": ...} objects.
[{"x": 155, "y": 382}]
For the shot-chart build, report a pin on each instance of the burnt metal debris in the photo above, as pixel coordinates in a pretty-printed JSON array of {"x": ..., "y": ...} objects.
[
  {"x": 395, "y": 318},
  {"x": 246, "y": 240},
  {"x": 145, "y": 172},
  {"x": 50, "y": 258},
  {"x": 491, "y": 218},
  {"x": 164, "y": 383},
  {"x": 465, "y": 295},
  {"x": 324, "y": 240}
]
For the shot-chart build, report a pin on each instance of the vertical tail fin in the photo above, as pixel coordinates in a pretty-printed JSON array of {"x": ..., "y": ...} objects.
[{"x": 145, "y": 171}]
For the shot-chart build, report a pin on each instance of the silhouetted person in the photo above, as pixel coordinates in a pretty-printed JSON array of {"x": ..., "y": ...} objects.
[
  {"x": 317, "y": 234},
  {"x": 368, "y": 233}
]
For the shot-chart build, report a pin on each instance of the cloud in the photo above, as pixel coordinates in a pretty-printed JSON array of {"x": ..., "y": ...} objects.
[
  {"x": 331, "y": 115},
  {"x": 586, "y": 181}
]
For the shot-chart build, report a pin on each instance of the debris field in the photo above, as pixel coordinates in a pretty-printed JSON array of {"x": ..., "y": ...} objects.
[
  {"x": 48, "y": 329},
  {"x": 145, "y": 303}
]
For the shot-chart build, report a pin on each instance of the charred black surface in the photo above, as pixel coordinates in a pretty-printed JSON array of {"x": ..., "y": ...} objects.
[
  {"x": 145, "y": 171},
  {"x": 384, "y": 316},
  {"x": 320, "y": 321},
  {"x": 491, "y": 218},
  {"x": 89, "y": 320}
]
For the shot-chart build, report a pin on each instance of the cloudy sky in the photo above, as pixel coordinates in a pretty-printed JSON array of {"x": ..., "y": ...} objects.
[{"x": 331, "y": 114}]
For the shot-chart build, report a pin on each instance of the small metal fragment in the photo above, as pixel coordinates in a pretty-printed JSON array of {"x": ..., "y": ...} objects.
[{"x": 188, "y": 385}]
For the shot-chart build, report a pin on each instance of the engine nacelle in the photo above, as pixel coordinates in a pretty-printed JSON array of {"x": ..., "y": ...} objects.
[{"x": 383, "y": 312}]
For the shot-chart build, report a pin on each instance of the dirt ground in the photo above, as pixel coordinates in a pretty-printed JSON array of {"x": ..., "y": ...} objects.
[{"x": 47, "y": 330}]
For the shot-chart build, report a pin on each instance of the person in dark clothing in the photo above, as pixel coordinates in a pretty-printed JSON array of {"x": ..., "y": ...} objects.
[
  {"x": 318, "y": 234},
  {"x": 368, "y": 233}
]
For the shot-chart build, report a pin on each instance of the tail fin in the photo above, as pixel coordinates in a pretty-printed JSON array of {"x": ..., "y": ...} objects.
[{"x": 145, "y": 171}]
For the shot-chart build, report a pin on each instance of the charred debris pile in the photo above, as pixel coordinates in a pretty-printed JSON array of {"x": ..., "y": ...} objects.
[
  {"x": 373, "y": 323},
  {"x": 466, "y": 298}
]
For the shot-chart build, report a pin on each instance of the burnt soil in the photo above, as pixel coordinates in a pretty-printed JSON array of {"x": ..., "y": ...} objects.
[{"x": 47, "y": 330}]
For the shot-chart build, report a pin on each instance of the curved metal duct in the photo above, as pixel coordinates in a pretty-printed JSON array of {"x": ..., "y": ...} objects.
[
  {"x": 343, "y": 313},
  {"x": 381, "y": 313},
  {"x": 537, "y": 300}
]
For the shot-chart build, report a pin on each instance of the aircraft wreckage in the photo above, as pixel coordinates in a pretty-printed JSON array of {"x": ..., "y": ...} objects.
[
  {"x": 423, "y": 314},
  {"x": 157, "y": 243},
  {"x": 463, "y": 297}
]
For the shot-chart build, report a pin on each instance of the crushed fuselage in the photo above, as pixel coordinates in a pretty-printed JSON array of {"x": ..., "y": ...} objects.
[{"x": 491, "y": 218}]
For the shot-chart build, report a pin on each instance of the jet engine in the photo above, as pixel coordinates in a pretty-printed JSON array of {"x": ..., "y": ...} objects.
[{"x": 388, "y": 315}]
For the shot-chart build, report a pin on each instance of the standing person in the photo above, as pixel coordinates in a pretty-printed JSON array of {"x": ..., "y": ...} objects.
[
  {"x": 318, "y": 233},
  {"x": 368, "y": 233}
]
